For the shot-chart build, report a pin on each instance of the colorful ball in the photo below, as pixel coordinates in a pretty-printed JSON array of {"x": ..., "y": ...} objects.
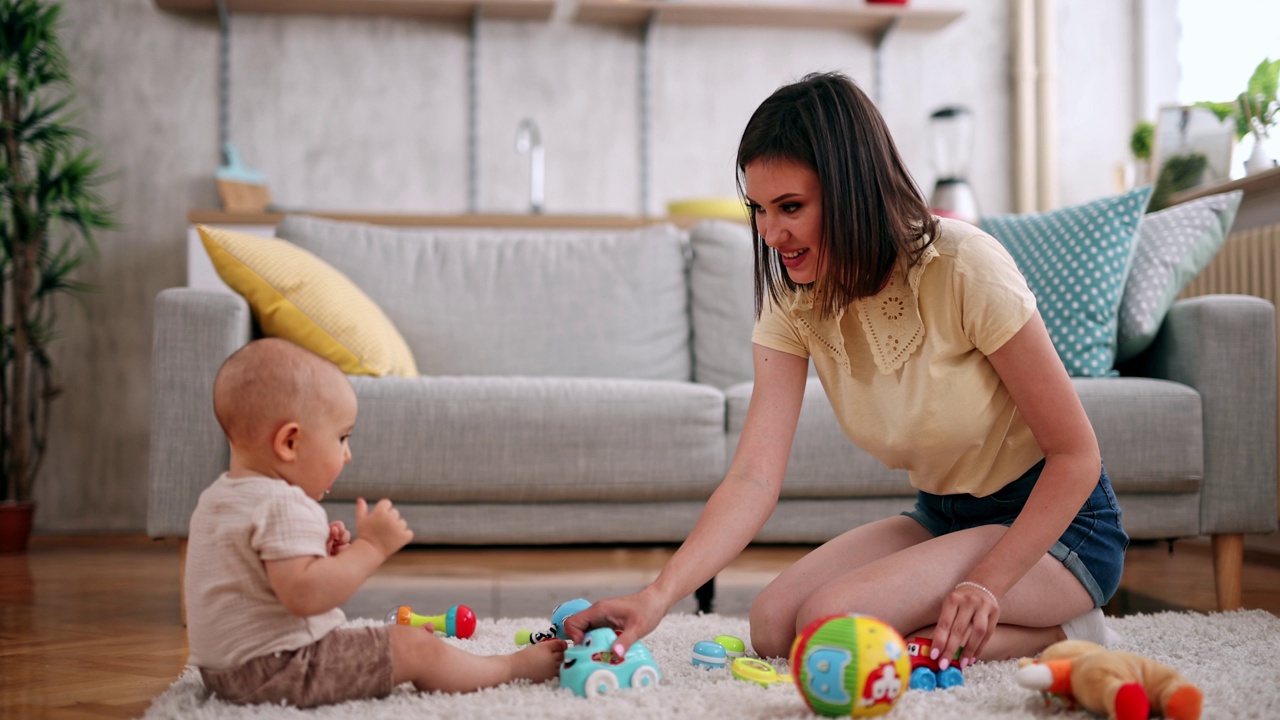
[{"x": 850, "y": 665}]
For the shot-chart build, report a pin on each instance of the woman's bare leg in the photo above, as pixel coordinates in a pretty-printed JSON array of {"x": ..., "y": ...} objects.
[{"x": 863, "y": 572}]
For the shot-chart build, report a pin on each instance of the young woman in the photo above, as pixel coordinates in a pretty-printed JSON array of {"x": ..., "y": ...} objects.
[{"x": 931, "y": 351}]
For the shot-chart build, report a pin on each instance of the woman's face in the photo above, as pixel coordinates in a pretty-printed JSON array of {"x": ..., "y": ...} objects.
[{"x": 787, "y": 202}]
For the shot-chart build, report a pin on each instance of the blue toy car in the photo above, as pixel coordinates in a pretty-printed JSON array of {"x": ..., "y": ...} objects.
[{"x": 592, "y": 670}]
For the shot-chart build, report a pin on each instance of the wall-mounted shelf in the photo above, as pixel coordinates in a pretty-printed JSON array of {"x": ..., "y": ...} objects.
[
  {"x": 872, "y": 19},
  {"x": 429, "y": 9}
]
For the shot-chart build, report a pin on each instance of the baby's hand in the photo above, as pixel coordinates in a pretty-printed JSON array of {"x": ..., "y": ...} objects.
[
  {"x": 382, "y": 526},
  {"x": 339, "y": 538}
]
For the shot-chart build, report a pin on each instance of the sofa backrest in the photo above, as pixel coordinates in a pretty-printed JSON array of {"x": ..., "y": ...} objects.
[
  {"x": 561, "y": 303},
  {"x": 722, "y": 302}
]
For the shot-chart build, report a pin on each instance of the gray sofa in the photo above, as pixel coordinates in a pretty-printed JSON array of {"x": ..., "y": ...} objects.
[{"x": 585, "y": 386}]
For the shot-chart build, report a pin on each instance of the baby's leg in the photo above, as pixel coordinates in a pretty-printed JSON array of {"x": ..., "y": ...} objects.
[{"x": 419, "y": 657}]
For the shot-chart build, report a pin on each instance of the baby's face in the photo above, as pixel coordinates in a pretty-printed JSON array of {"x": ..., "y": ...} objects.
[{"x": 323, "y": 442}]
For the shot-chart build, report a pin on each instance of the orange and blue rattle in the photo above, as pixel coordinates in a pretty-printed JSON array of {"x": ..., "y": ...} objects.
[{"x": 458, "y": 621}]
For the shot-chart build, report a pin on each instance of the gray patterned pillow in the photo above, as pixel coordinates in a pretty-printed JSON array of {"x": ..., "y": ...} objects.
[{"x": 1174, "y": 245}]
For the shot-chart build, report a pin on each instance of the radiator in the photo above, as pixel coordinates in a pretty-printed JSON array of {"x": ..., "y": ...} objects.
[{"x": 1247, "y": 264}]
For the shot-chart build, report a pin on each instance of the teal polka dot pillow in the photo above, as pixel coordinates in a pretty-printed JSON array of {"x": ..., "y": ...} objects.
[{"x": 1076, "y": 261}]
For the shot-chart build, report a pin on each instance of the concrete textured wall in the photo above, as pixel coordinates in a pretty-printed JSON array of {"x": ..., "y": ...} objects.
[{"x": 370, "y": 114}]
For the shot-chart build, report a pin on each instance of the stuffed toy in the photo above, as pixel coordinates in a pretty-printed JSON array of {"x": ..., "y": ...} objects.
[{"x": 1119, "y": 685}]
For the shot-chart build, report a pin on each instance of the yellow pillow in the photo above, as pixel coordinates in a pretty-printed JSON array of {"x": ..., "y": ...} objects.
[{"x": 301, "y": 298}]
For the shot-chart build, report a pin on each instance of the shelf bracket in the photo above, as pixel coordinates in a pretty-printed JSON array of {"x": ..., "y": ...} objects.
[{"x": 877, "y": 81}]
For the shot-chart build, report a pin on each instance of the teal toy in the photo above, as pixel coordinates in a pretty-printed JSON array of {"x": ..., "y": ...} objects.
[
  {"x": 591, "y": 669},
  {"x": 563, "y": 612},
  {"x": 710, "y": 655}
]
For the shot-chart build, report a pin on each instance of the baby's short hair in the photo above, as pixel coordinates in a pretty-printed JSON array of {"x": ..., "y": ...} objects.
[{"x": 265, "y": 383}]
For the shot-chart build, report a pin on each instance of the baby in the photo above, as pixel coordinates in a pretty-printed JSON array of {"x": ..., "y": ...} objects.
[{"x": 266, "y": 571}]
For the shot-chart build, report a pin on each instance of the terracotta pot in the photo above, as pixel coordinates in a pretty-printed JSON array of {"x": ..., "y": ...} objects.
[{"x": 15, "y": 525}]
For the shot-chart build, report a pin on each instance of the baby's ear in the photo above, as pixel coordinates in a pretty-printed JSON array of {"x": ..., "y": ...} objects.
[{"x": 285, "y": 442}]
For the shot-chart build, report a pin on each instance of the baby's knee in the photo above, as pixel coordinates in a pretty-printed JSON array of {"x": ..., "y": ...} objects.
[{"x": 412, "y": 650}]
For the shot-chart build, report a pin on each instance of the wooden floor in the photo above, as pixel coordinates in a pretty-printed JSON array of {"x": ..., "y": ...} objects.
[{"x": 90, "y": 628}]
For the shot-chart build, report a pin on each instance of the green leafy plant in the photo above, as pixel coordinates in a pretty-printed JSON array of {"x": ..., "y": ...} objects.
[
  {"x": 1255, "y": 110},
  {"x": 1178, "y": 173},
  {"x": 1142, "y": 140},
  {"x": 49, "y": 210}
]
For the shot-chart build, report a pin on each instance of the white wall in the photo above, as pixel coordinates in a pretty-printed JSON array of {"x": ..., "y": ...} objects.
[{"x": 369, "y": 114}]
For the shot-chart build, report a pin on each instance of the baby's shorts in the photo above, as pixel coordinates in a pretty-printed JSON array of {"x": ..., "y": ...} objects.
[
  {"x": 1092, "y": 547},
  {"x": 346, "y": 664}
]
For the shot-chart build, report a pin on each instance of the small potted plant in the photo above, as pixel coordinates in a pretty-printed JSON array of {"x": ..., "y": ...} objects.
[
  {"x": 1255, "y": 111},
  {"x": 49, "y": 210}
]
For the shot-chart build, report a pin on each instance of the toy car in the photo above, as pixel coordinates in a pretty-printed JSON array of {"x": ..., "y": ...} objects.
[
  {"x": 925, "y": 672},
  {"x": 592, "y": 670}
]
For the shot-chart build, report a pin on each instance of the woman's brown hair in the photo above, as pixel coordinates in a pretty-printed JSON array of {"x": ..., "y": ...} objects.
[{"x": 872, "y": 210}]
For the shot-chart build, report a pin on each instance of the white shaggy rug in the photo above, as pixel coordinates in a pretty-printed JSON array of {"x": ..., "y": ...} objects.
[{"x": 1231, "y": 656}]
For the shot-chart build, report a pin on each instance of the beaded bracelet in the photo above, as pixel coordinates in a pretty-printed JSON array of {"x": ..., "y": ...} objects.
[{"x": 990, "y": 594}]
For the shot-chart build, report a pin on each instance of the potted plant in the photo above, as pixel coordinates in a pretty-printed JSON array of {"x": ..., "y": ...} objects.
[
  {"x": 1255, "y": 111},
  {"x": 49, "y": 211}
]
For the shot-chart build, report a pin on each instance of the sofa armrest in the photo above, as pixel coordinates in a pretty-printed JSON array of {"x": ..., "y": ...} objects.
[
  {"x": 1224, "y": 346},
  {"x": 195, "y": 330}
]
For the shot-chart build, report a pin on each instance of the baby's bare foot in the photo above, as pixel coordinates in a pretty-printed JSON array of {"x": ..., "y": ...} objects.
[{"x": 539, "y": 662}]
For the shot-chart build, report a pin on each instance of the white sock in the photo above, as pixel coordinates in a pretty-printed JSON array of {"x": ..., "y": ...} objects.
[{"x": 1091, "y": 626}]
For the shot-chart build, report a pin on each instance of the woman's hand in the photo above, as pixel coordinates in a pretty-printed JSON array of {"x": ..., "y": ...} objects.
[
  {"x": 632, "y": 616},
  {"x": 969, "y": 616}
]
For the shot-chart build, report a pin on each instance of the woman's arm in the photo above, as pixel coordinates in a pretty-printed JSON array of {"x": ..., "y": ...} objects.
[
  {"x": 735, "y": 512},
  {"x": 1038, "y": 384}
]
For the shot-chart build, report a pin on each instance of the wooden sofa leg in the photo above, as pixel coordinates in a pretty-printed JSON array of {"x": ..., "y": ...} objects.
[
  {"x": 182, "y": 579},
  {"x": 1228, "y": 565}
]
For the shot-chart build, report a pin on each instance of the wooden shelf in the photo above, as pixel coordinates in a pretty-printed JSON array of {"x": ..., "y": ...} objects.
[
  {"x": 428, "y": 9},
  {"x": 872, "y": 19},
  {"x": 1258, "y": 182},
  {"x": 503, "y": 220}
]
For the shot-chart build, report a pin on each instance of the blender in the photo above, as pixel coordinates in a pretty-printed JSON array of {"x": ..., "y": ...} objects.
[{"x": 951, "y": 129}]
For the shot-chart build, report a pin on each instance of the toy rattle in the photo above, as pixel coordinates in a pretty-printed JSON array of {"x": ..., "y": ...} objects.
[
  {"x": 562, "y": 613},
  {"x": 458, "y": 621},
  {"x": 716, "y": 654},
  {"x": 757, "y": 671},
  {"x": 710, "y": 655}
]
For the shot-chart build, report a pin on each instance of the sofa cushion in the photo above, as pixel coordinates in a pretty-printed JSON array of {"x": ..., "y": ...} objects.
[
  {"x": 561, "y": 303},
  {"x": 1150, "y": 432},
  {"x": 1076, "y": 260},
  {"x": 824, "y": 463},
  {"x": 722, "y": 302},
  {"x": 518, "y": 439},
  {"x": 299, "y": 297},
  {"x": 1173, "y": 246}
]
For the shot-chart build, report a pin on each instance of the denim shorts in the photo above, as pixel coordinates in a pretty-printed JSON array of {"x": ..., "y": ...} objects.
[{"x": 1092, "y": 548}]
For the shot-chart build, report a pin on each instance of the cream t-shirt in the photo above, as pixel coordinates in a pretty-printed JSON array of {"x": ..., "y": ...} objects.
[
  {"x": 232, "y": 614},
  {"x": 906, "y": 370}
]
